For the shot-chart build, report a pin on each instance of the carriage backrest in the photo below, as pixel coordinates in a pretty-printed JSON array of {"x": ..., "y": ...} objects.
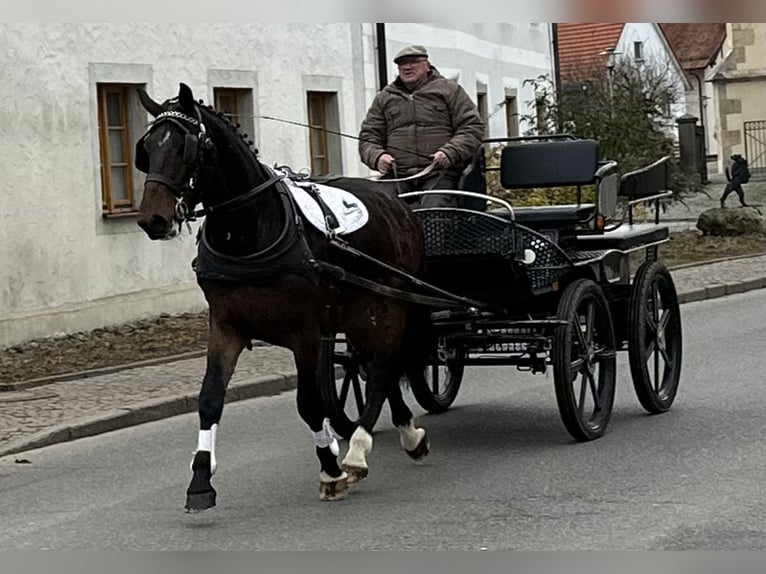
[
  {"x": 647, "y": 181},
  {"x": 548, "y": 164}
]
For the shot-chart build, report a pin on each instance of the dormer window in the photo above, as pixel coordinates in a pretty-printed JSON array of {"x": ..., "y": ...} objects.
[{"x": 638, "y": 51}]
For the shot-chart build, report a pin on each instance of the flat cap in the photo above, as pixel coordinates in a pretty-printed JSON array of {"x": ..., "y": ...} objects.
[{"x": 414, "y": 51}]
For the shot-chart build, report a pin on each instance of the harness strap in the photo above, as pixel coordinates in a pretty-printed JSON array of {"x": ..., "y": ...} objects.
[
  {"x": 339, "y": 274},
  {"x": 345, "y": 247},
  {"x": 240, "y": 199},
  {"x": 329, "y": 217}
]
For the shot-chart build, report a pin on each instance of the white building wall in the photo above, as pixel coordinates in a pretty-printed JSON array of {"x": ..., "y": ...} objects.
[
  {"x": 65, "y": 267},
  {"x": 656, "y": 53},
  {"x": 501, "y": 56}
]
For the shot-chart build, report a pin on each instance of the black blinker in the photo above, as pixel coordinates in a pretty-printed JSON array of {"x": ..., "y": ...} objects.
[{"x": 191, "y": 150}]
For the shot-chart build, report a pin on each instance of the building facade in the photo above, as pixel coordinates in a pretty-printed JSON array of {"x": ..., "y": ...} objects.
[
  {"x": 739, "y": 82},
  {"x": 73, "y": 256}
]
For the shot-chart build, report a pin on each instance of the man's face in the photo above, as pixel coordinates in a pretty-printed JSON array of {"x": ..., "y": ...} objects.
[{"x": 413, "y": 70}]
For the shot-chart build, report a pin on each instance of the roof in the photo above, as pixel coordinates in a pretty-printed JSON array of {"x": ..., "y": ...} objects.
[
  {"x": 580, "y": 45},
  {"x": 695, "y": 45}
]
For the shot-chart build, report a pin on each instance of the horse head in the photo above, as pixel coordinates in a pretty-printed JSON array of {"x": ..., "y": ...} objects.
[{"x": 172, "y": 153}]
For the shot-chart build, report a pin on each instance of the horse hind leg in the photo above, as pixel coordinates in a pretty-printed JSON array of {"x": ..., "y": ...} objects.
[
  {"x": 414, "y": 440},
  {"x": 333, "y": 482},
  {"x": 381, "y": 372},
  {"x": 224, "y": 348}
]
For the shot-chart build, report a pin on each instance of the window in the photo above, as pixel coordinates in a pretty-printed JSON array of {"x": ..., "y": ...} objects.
[
  {"x": 324, "y": 146},
  {"x": 481, "y": 104},
  {"x": 638, "y": 51},
  {"x": 237, "y": 105},
  {"x": 511, "y": 117},
  {"x": 115, "y": 148}
]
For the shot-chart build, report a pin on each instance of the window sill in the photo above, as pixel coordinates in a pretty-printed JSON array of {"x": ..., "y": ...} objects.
[{"x": 120, "y": 215}]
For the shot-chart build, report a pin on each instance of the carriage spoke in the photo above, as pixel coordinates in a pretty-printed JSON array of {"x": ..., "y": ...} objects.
[
  {"x": 581, "y": 402},
  {"x": 665, "y": 318},
  {"x": 657, "y": 380},
  {"x": 435, "y": 379},
  {"x": 666, "y": 358},
  {"x": 594, "y": 392},
  {"x": 590, "y": 313},
  {"x": 650, "y": 349},
  {"x": 580, "y": 335}
]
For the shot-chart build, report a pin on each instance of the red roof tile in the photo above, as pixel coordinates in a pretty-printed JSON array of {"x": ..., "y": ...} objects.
[
  {"x": 580, "y": 46},
  {"x": 695, "y": 45}
]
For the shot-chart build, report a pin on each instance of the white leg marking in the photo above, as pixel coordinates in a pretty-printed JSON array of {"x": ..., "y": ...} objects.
[
  {"x": 327, "y": 437},
  {"x": 410, "y": 436},
  {"x": 206, "y": 442},
  {"x": 359, "y": 447}
]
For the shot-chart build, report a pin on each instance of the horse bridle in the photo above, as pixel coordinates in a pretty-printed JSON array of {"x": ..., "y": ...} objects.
[{"x": 196, "y": 144}]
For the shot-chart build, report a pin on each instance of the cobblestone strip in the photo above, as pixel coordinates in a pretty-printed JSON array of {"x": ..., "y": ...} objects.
[{"x": 72, "y": 409}]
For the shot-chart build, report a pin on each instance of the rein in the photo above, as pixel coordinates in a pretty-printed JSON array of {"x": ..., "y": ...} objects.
[{"x": 195, "y": 144}]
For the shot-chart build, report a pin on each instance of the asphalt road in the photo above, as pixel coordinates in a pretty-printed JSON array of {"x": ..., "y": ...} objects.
[{"x": 503, "y": 473}]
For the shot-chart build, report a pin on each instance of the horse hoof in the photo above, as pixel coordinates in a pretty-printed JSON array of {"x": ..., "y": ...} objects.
[
  {"x": 200, "y": 502},
  {"x": 335, "y": 489},
  {"x": 355, "y": 473},
  {"x": 420, "y": 451}
]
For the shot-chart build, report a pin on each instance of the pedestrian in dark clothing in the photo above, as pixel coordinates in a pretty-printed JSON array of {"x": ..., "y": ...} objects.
[
  {"x": 737, "y": 173},
  {"x": 421, "y": 118}
]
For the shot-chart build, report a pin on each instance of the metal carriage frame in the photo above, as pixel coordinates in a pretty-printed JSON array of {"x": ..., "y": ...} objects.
[{"x": 540, "y": 288}]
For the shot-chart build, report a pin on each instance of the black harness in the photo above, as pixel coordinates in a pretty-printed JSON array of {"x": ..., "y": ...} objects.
[{"x": 290, "y": 252}]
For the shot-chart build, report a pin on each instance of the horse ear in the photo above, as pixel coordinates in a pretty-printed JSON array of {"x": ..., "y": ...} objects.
[
  {"x": 186, "y": 98},
  {"x": 149, "y": 104}
]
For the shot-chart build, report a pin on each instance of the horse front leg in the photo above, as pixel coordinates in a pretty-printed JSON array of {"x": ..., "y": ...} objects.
[
  {"x": 311, "y": 367},
  {"x": 224, "y": 348}
]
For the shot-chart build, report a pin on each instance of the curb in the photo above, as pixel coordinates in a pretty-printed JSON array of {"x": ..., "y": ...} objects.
[
  {"x": 716, "y": 291},
  {"x": 266, "y": 385}
]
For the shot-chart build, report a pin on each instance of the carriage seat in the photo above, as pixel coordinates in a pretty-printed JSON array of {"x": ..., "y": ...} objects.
[{"x": 556, "y": 163}]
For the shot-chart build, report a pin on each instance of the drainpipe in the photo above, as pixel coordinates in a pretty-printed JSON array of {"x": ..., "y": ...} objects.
[
  {"x": 380, "y": 41},
  {"x": 701, "y": 100},
  {"x": 556, "y": 70}
]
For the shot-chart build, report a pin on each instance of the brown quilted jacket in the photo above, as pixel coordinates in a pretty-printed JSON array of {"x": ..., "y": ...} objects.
[{"x": 413, "y": 125}]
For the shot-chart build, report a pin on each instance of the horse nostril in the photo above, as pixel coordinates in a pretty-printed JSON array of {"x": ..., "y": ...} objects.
[{"x": 156, "y": 226}]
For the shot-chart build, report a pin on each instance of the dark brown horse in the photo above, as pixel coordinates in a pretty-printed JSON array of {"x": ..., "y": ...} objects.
[{"x": 254, "y": 266}]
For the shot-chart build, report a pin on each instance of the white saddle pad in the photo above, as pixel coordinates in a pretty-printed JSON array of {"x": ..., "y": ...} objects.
[{"x": 347, "y": 208}]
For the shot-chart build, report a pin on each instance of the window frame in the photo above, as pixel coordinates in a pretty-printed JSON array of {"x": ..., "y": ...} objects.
[
  {"x": 110, "y": 205},
  {"x": 638, "y": 51},
  {"x": 511, "y": 116}
]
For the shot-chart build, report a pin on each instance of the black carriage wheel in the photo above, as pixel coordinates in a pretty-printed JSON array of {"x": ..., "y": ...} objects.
[
  {"x": 654, "y": 337},
  {"x": 436, "y": 388},
  {"x": 584, "y": 360},
  {"x": 344, "y": 398}
]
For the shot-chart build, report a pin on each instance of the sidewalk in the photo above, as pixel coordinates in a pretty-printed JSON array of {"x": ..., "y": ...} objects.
[
  {"x": 96, "y": 403},
  {"x": 682, "y": 216}
]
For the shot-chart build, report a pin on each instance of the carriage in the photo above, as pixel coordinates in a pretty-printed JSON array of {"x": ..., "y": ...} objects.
[
  {"x": 538, "y": 288},
  {"x": 424, "y": 292}
]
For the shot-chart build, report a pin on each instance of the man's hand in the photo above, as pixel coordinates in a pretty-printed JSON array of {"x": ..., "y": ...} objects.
[
  {"x": 385, "y": 163},
  {"x": 440, "y": 160}
]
